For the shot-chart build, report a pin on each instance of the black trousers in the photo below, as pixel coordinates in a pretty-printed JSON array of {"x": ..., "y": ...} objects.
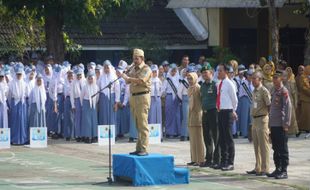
[
  {"x": 227, "y": 145},
  {"x": 211, "y": 136},
  {"x": 279, "y": 140}
]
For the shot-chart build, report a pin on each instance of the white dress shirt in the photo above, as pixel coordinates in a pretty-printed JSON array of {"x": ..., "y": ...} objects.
[
  {"x": 156, "y": 86},
  {"x": 228, "y": 96}
]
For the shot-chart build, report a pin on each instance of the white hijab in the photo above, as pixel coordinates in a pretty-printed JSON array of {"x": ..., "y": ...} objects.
[
  {"x": 39, "y": 95},
  {"x": 18, "y": 90},
  {"x": 175, "y": 79},
  {"x": 48, "y": 78},
  {"x": 3, "y": 91},
  {"x": 91, "y": 90},
  {"x": 106, "y": 78}
]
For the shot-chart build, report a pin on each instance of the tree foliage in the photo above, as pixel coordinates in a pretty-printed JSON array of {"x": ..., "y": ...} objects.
[{"x": 29, "y": 18}]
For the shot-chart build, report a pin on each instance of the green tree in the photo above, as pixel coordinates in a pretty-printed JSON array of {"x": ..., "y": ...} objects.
[{"x": 58, "y": 16}]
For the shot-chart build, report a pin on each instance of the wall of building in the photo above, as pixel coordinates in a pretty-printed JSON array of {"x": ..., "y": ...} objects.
[{"x": 213, "y": 16}]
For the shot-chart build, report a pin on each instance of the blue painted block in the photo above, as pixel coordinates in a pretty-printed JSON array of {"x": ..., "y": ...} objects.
[{"x": 154, "y": 169}]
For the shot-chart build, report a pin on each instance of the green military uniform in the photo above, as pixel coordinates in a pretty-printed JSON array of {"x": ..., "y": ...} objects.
[
  {"x": 260, "y": 129},
  {"x": 209, "y": 120},
  {"x": 140, "y": 101}
]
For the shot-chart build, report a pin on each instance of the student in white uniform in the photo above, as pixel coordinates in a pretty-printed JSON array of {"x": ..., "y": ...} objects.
[
  {"x": 76, "y": 102},
  {"x": 108, "y": 105},
  {"x": 89, "y": 112},
  {"x": 3, "y": 98},
  {"x": 182, "y": 92}
]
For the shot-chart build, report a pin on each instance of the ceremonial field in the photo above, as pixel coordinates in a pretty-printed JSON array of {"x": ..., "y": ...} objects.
[{"x": 70, "y": 165}]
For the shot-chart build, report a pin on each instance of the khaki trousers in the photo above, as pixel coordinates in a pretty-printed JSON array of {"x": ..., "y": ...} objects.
[
  {"x": 139, "y": 106},
  {"x": 196, "y": 144},
  {"x": 260, "y": 135}
]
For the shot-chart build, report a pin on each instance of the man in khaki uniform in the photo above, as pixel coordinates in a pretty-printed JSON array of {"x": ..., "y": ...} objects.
[
  {"x": 260, "y": 130},
  {"x": 139, "y": 77}
]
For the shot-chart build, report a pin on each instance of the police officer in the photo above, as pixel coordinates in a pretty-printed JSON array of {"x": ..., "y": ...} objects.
[
  {"x": 139, "y": 77},
  {"x": 209, "y": 119},
  {"x": 260, "y": 130},
  {"x": 280, "y": 115}
]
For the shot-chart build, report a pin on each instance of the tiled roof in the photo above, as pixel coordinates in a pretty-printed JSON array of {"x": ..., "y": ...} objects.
[{"x": 157, "y": 20}]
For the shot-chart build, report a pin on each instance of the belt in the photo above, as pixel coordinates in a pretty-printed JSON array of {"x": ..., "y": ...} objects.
[
  {"x": 226, "y": 110},
  {"x": 60, "y": 94},
  {"x": 169, "y": 93},
  {"x": 258, "y": 116},
  {"x": 139, "y": 93},
  {"x": 209, "y": 110}
]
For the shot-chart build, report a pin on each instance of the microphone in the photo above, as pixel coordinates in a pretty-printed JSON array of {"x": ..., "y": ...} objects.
[{"x": 129, "y": 68}]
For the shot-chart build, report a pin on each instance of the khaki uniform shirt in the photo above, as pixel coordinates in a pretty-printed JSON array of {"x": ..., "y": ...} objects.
[
  {"x": 142, "y": 72},
  {"x": 261, "y": 101}
]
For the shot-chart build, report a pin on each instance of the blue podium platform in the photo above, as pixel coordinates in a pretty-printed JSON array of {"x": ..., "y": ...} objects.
[{"x": 154, "y": 169}]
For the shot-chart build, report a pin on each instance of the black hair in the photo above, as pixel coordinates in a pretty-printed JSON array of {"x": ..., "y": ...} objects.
[{"x": 226, "y": 66}]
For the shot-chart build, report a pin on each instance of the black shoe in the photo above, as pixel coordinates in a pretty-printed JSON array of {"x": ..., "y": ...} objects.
[
  {"x": 55, "y": 136},
  {"x": 228, "y": 168},
  {"x": 281, "y": 175},
  {"x": 182, "y": 138},
  {"x": 251, "y": 172},
  {"x": 131, "y": 139},
  {"x": 175, "y": 136},
  {"x": 216, "y": 166},
  {"x": 94, "y": 140},
  {"x": 142, "y": 153},
  {"x": 274, "y": 173},
  {"x": 87, "y": 140},
  {"x": 68, "y": 139},
  {"x": 298, "y": 134},
  {"x": 206, "y": 165},
  {"x": 78, "y": 139},
  {"x": 235, "y": 136},
  {"x": 134, "y": 153},
  {"x": 191, "y": 163},
  {"x": 196, "y": 164}
]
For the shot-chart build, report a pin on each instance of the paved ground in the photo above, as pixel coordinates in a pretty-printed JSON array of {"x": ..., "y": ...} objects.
[{"x": 77, "y": 166}]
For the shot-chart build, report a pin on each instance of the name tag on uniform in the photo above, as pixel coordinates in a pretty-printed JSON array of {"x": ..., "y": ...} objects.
[
  {"x": 210, "y": 91},
  {"x": 255, "y": 105}
]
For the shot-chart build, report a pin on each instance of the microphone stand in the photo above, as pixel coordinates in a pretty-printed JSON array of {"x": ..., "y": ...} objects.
[{"x": 109, "y": 178}]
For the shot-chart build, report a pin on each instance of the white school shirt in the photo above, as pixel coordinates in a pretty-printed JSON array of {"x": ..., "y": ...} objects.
[
  {"x": 182, "y": 90},
  {"x": 88, "y": 91},
  {"x": 167, "y": 89},
  {"x": 56, "y": 87},
  {"x": 156, "y": 86},
  {"x": 240, "y": 89},
  {"x": 124, "y": 89},
  {"x": 76, "y": 89},
  {"x": 104, "y": 81},
  {"x": 127, "y": 95},
  {"x": 3, "y": 97},
  {"x": 30, "y": 86},
  {"x": 68, "y": 88},
  {"x": 228, "y": 98}
]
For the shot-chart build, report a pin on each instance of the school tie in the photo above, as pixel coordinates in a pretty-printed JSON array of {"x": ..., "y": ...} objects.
[
  {"x": 218, "y": 98},
  {"x": 40, "y": 101},
  {"x": 156, "y": 92}
]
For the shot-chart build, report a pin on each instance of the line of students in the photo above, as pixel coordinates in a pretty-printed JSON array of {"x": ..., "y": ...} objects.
[{"x": 60, "y": 99}]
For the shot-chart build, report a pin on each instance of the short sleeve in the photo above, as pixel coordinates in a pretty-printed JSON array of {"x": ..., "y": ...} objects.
[
  {"x": 267, "y": 97},
  {"x": 145, "y": 74}
]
